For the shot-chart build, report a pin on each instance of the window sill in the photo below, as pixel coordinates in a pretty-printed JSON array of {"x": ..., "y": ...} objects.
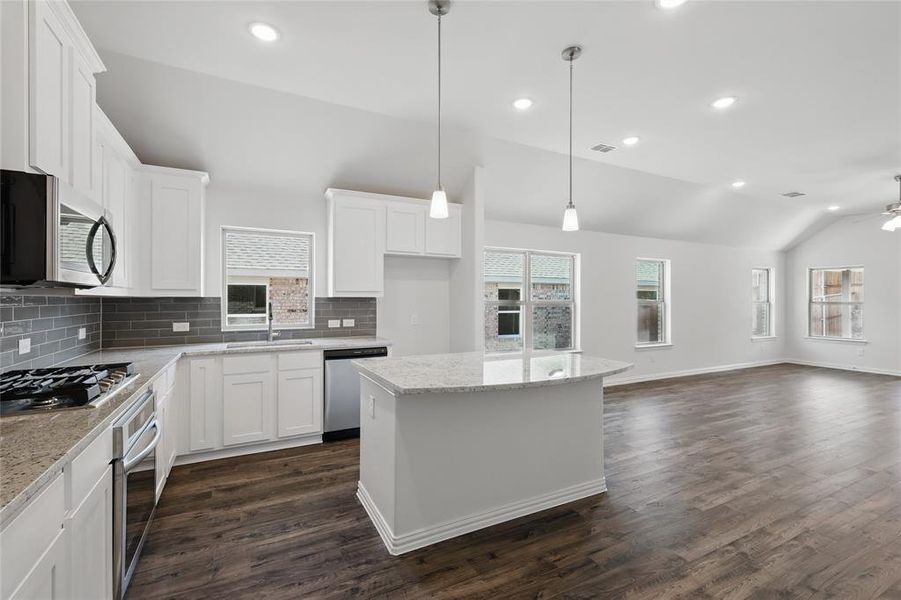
[
  {"x": 653, "y": 346},
  {"x": 764, "y": 338},
  {"x": 835, "y": 339}
]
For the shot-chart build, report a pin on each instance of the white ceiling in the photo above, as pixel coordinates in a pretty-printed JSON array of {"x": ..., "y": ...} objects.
[{"x": 819, "y": 82}]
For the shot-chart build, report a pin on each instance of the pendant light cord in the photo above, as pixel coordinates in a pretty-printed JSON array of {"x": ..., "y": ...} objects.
[
  {"x": 571, "y": 131},
  {"x": 439, "y": 102}
]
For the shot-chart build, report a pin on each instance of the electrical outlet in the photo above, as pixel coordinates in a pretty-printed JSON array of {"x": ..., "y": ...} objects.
[
  {"x": 414, "y": 319},
  {"x": 82, "y": 333},
  {"x": 348, "y": 322},
  {"x": 181, "y": 327},
  {"x": 372, "y": 407},
  {"x": 25, "y": 346},
  {"x": 334, "y": 322}
]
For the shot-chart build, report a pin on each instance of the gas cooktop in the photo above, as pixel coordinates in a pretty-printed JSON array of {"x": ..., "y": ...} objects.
[{"x": 59, "y": 387}]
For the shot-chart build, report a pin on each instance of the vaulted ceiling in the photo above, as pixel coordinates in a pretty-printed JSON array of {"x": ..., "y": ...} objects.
[{"x": 818, "y": 85}]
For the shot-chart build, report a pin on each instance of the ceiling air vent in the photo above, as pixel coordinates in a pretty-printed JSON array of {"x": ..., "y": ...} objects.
[
  {"x": 793, "y": 194},
  {"x": 603, "y": 148}
]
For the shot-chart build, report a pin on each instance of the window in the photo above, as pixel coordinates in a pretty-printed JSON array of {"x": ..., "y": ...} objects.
[
  {"x": 836, "y": 303},
  {"x": 530, "y": 300},
  {"x": 651, "y": 279},
  {"x": 262, "y": 267},
  {"x": 762, "y": 303}
]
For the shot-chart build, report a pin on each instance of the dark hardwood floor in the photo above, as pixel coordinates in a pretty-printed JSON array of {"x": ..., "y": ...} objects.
[{"x": 775, "y": 482}]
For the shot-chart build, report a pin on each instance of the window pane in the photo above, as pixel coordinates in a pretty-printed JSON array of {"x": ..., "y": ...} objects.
[
  {"x": 760, "y": 285},
  {"x": 502, "y": 329},
  {"x": 551, "y": 277},
  {"x": 649, "y": 279},
  {"x": 760, "y": 325},
  {"x": 836, "y": 285},
  {"x": 552, "y": 327},
  {"x": 836, "y": 320},
  {"x": 650, "y": 322},
  {"x": 290, "y": 299},
  {"x": 503, "y": 270}
]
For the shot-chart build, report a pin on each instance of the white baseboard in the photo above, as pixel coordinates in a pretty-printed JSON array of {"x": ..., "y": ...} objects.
[
  {"x": 196, "y": 457},
  {"x": 451, "y": 529},
  {"x": 810, "y": 363},
  {"x": 689, "y": 372}
]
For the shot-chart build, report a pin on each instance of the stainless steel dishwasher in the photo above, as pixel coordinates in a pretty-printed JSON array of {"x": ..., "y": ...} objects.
[{"x": 342, "y": 391}]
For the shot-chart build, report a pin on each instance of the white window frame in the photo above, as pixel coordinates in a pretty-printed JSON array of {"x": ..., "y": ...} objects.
[
  {"x": 810, "y": 303},
  {"x": 526, "y": 303},
  {"x": 224, "y": 326},
  {"x": 667, "y": 303},
  {"x": 771, "y": 300}
]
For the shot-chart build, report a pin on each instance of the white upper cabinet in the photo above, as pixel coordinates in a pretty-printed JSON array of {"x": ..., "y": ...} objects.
[
  {"x": 176, "y": 231},
  {"x": 405, "y": 228},
  {"x": 364, "y": 227},
  {"x": 61, "y": 95},
  {"x": 356, "y": 246},
  {"x": 443, "y": 236}
]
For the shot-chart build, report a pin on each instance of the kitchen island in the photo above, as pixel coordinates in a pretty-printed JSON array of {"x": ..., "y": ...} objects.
[{"x": 452, "y": 443}]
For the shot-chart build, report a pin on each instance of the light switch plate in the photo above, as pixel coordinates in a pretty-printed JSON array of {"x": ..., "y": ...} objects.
[
  {"x": 25, "y": 346},
  {"x": 348, "y": 322},
  {"x": 82, "y": 333},
  {"x": 334, "y": 322},
  {"x": 181, "y": 327}
]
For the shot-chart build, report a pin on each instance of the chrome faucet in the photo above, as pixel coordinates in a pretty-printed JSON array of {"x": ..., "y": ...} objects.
[{"x": 272, "y": 334}]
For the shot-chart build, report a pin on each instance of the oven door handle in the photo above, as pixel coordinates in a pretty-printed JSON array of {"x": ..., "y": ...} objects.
[{"x": 129, "y": 463}]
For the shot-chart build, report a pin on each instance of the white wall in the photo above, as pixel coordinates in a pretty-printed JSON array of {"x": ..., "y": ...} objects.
[
  {"x": 416, "y": 289},
  {"x": 852, "y": 241},
  {"x": 466, "y": 273},
  {"x": 711, "y": 297}
]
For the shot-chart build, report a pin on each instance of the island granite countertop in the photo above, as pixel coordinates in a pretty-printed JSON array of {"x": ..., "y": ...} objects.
[
  {"x": 35, "y": 447},
  {"x": 478, "y": 372}
]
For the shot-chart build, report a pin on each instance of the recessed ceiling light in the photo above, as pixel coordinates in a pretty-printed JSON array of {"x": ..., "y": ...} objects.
[
  {"x": 738, "y": 184},
  {"x": 833, "y": 208},
  {"x": 522, "y": 103},
  {"x": 264, "y": 32},
  {"x": 668, "y": 4},
  {"x": 631, "y": 140},
  {"x": 724, "y": 102}
]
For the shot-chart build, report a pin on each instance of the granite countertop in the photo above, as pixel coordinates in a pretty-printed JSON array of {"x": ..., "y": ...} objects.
[
  {"x": 35, "y": 447},
  {"x": 477, "y": 372}
]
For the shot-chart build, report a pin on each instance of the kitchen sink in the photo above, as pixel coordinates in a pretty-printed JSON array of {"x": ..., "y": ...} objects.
[{"x": 265, "y": 343}]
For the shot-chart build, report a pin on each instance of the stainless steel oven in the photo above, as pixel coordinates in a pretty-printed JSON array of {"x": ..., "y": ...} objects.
[
  {"x": 135, "y": 437},
  {"x": 52, "y": 235}
]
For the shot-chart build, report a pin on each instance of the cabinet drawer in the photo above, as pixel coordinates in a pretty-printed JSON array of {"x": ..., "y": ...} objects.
[
  {"x": 29, "y": 535},
  {"x": 246, "y": 363},
  {"x": 299, "y": 360},
  {"x": 90, "y": 465}
]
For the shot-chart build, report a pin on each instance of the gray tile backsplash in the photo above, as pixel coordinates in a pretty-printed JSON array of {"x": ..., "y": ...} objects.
[
  {"x": 51, "y": 323},
  {"x": 131, "y": 322}
]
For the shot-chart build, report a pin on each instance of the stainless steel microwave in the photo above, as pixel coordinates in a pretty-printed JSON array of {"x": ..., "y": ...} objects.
[{"x": 51, "y": 235}]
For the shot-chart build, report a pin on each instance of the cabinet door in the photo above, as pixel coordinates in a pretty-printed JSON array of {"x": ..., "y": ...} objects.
[
  {"x": 49, "y": 579},
  {"x": 299, "y": 402},
  {"x": 176, "y": 233},
  {"x": 91, "y": 538},
  {"x": 443, "y": 236},
  {"x": 357, "y": 247},
  {"x": 404, "y": 231},
  {"x": 246, "y": 408},
  {"x": 82, "y": 126},
  {"x": 162, "y": 417},
  {"x": 48, "y": 92},
  {"x": 205, "y": 401}
]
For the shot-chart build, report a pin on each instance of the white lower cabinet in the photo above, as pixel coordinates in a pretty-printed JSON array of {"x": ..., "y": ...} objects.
[
  {"x": 49, "y": 579},
  {"x": 246, "y": 408},
  {"x": 299, "y": 402},
  {"x": 91, "y": 538},
  {"x": 205, "y": 402}
]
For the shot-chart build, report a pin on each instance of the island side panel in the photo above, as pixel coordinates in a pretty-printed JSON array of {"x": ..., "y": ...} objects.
[
  {"x": 469, "y": 460},
  {"x": 377, "y": 455}
]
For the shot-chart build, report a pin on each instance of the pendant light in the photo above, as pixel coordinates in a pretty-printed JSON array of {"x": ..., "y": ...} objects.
[
  {"x": 570, "y": 216},
  {"x": 438, "y": 208},
  {"x": 894, "y": 211}
]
